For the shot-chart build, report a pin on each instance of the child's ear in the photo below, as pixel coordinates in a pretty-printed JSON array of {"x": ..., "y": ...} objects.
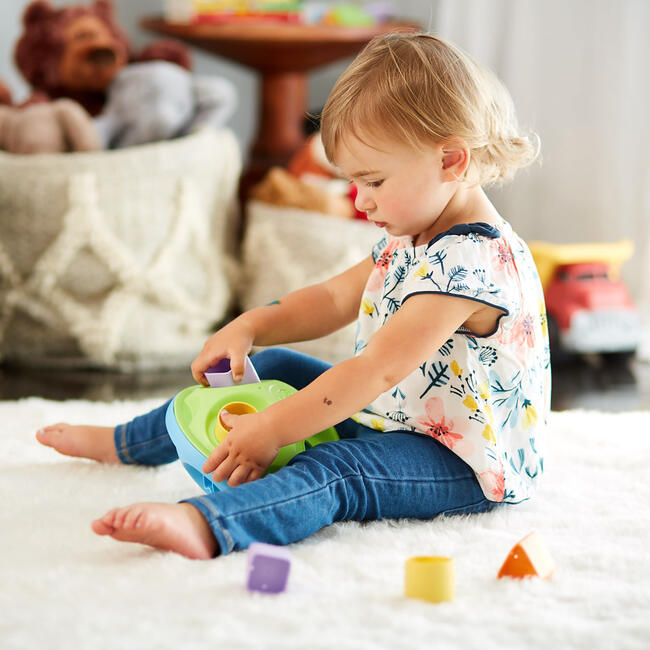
[{"x": 455, "y": 159}]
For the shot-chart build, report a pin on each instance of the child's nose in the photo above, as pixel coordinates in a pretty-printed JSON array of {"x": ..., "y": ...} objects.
[{"x": 362, "y": 201}]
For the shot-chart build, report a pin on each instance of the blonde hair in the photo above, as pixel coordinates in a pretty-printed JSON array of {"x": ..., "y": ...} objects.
[{"x": 420, "y": 89}]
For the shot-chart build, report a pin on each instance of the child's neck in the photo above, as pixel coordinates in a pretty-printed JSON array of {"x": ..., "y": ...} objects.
[{"x": 466, "y": 205}]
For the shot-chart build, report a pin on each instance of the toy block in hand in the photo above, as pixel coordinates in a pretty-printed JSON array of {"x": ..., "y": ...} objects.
[
  {"x": 268, "y": 568},
  {"x": 528, "y": 557}
]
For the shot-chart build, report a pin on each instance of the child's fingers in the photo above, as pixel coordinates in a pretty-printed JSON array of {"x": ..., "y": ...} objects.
[
  {"x": 237, "y": 365},
  {"x": 228, "y": 419},
  {"x": 219, "y": 454},
  {"x": 224, "y": 470},
  {"x": 198, "y": 369},
  {"x": 239, "y": 475},
  {"x": 254, "y": 475},
  {"x": 209, "y": 356}
]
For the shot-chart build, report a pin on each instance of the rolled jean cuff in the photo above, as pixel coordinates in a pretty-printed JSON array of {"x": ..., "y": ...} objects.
[
  {"x": 150, "y": 451},
  {"x": 119, "y": 437},
  {"x": 213, "y": 519}
]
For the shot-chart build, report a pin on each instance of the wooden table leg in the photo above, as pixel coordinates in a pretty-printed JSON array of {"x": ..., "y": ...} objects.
[
  {"x": 282, "y": 108},
  {"x": 283, "y": 105}
]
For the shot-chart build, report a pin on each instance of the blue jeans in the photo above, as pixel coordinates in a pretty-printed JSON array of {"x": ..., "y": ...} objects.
[{"x": 367, "y": 475}]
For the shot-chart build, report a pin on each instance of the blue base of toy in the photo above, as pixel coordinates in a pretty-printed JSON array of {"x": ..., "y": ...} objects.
[{"x": 192, "y": 458}]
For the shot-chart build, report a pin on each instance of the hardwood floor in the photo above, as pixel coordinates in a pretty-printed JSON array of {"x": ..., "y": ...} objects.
[
  {"x": 18, "y": 382},
  {"x": 585, "y": 384}
]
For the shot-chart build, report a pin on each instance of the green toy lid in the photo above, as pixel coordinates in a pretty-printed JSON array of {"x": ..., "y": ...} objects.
[{"x": 197, "y": 411}]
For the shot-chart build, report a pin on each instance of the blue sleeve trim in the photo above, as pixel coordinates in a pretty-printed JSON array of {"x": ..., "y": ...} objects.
[
  {"x": 477, "y": 228},
  {"x": 464, "y": 330}
]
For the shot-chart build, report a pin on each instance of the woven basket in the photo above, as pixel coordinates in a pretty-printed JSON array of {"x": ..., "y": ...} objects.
[
  {"x": 117, "y": 259},
  {"x": 285, "y": 249}
]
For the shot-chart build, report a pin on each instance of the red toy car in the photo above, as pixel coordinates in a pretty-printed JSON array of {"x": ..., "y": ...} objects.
[{"x": 589, "y": 308}]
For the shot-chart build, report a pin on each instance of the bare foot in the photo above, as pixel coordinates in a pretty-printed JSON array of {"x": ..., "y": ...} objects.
[
  {"x": 81, "y": 441},
  {"x": 177, "y": 527}
]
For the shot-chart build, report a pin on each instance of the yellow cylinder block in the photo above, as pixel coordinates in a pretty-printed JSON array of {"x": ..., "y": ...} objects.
[
  {"x": 235, "y": 408},
  {"x": 430, "y": 578}
]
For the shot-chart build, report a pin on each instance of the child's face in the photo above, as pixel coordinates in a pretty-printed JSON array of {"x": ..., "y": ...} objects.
[{"x": 401, "y": 189}]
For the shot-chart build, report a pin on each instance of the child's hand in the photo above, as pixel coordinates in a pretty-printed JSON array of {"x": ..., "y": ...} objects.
[
  {"x": 245, "y": 453},
  {"x": 234, "y": 341}
]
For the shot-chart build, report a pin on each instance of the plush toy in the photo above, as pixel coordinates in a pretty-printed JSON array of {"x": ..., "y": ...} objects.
[
  {"x": 279, "y": 187},
  {"x": 76, "y": 51},
  {"x": 311, "y": 166},
  {"x": 52, "y": 127},
  {"x": 155, "y": 101},
  {"x": 5, "y": 94},
  {"x": 310, "y": 161}
]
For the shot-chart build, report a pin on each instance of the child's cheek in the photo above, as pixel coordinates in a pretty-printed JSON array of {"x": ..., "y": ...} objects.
[{"x": 393, "y": 208}]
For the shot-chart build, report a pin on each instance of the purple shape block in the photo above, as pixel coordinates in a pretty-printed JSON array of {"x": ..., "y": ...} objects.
[
  {"x": 268, "y": 568},
  {"x": 220, "y": 375}
]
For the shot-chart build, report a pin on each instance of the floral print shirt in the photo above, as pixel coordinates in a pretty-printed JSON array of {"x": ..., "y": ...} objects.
[{"x": 484, "y": 397}]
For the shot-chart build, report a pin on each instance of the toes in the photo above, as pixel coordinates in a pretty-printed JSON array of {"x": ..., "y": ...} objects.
[
  {"x": 53, "y": 428},
  {"x": 141, "y": 521},
  {"x": 129, "y": 517},
  {"x": 132, "y": 517},
  {"x": 116, "y": 520},
  {"x": 102, "y": 527},
  {"x": 47, "y": 435},
  {"x": 120, "y": 516},
  {"x": 109, "y": 518},
  {"x": 164, "y": 526}
]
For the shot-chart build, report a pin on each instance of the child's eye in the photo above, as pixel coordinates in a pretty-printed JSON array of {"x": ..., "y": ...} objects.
[{"x": 374, "y": 183}]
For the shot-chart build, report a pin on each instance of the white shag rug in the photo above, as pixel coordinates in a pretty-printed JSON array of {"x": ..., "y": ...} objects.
[{"x": 61, "y": 586}]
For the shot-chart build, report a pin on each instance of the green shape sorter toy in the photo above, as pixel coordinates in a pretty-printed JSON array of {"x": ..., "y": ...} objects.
[{"x": 194, "y": 424}]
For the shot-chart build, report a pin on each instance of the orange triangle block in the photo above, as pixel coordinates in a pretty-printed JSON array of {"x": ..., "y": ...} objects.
[{"x": 528, "y": 557}]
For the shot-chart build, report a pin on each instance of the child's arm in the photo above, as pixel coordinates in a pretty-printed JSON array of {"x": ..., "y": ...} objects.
[
  {"x": 305, "y": 314},
  {"x": 421, "y": 325}
]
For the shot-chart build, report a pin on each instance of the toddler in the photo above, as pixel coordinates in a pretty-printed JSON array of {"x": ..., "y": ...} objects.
[{"x": 442, "y": 408}]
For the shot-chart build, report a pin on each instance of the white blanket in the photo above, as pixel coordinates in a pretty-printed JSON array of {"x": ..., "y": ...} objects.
[{"x": 61, "y": 586}]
